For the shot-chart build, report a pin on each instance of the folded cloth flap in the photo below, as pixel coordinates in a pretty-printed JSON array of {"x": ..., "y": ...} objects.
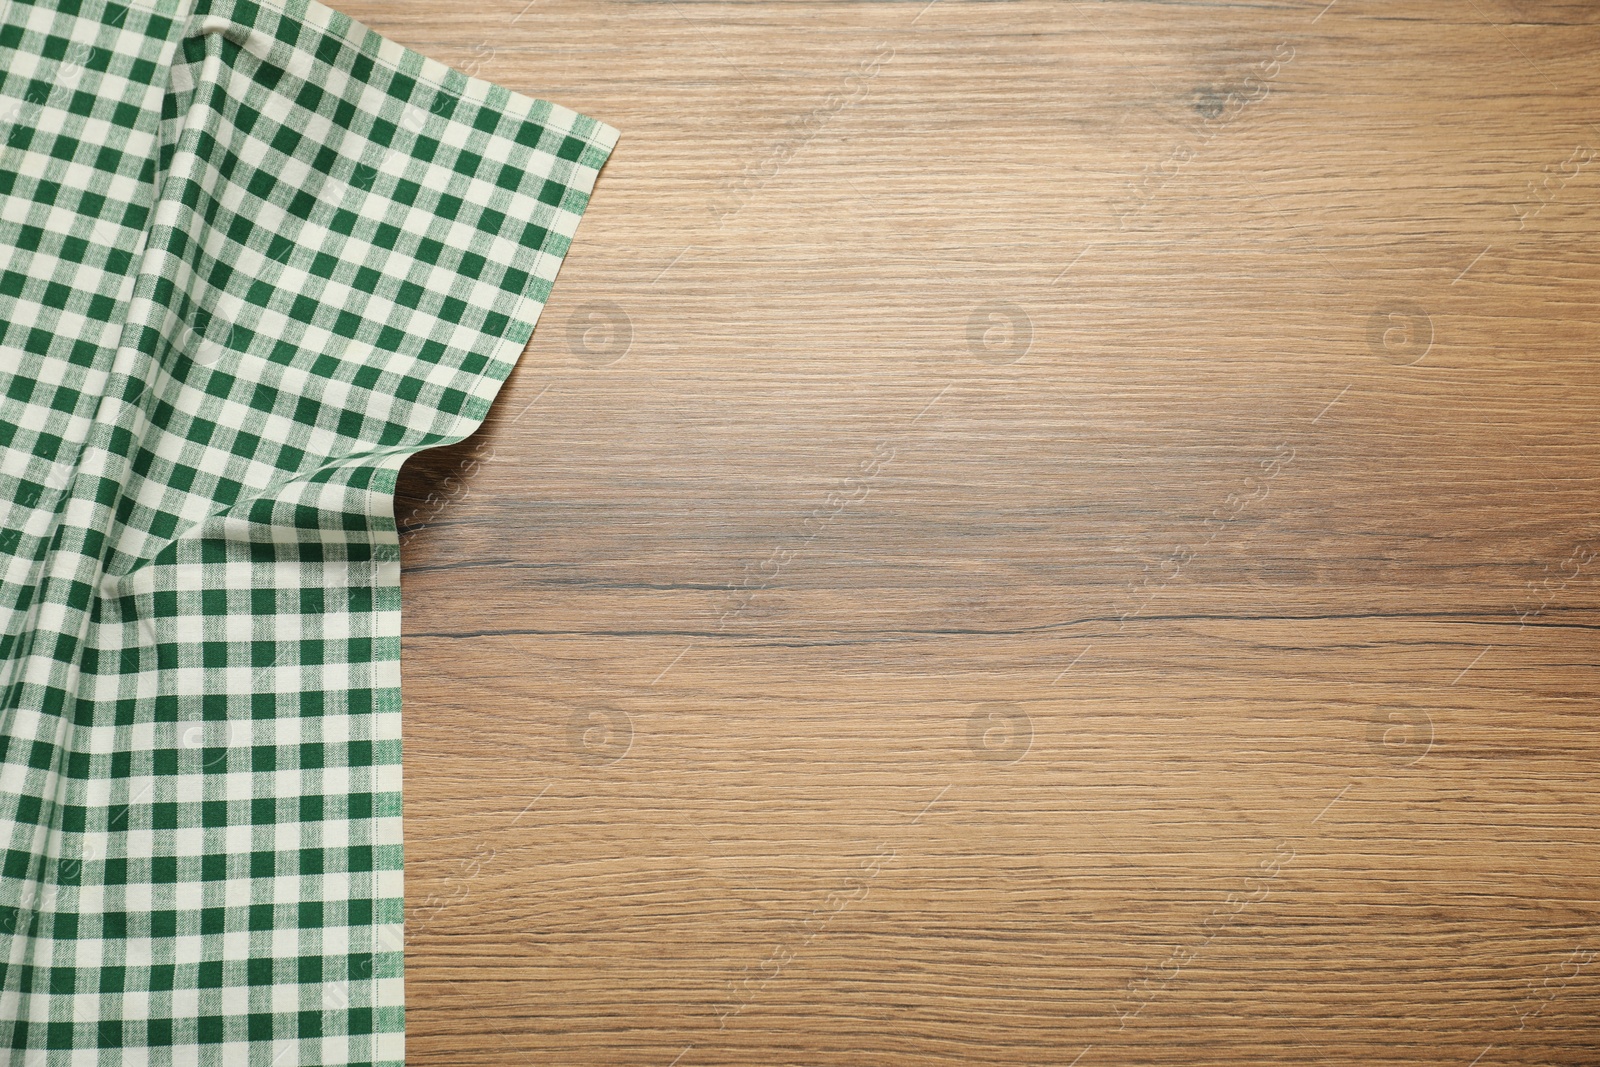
[{"x": 253, "y": 255}]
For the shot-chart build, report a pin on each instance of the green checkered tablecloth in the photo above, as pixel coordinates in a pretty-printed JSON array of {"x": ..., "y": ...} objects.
[{"x": 252, "y": 256}]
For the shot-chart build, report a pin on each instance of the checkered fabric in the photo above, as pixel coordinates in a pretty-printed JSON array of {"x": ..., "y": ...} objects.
[{"x": 252, "y": 256}]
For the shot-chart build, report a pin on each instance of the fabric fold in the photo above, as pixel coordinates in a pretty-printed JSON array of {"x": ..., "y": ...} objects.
[{"x": 283, "y": 254}]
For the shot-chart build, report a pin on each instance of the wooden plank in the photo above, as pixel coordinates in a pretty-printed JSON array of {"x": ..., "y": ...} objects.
[{"x": 1029, "y": 533}]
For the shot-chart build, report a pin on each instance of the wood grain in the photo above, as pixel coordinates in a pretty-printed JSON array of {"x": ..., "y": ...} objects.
[{"x": 1029, "y": 533}]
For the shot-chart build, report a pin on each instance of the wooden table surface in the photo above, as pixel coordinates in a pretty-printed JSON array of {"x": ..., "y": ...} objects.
[{"x": 1028, "y": 533}]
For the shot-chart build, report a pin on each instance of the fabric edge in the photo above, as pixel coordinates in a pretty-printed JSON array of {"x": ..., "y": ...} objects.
[{"x": 601, "y": 138}]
